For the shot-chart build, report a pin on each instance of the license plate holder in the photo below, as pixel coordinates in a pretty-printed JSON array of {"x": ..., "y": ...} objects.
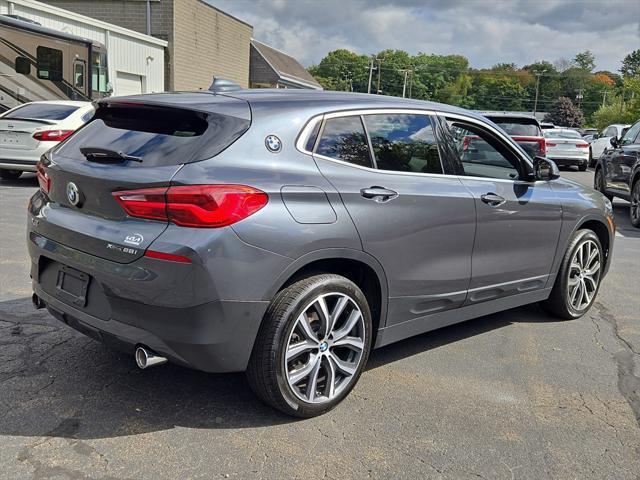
[{"x": 72, "y": 285}]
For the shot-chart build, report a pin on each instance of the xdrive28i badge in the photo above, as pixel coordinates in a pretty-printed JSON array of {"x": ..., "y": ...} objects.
[{"x": 73, "y": 194}]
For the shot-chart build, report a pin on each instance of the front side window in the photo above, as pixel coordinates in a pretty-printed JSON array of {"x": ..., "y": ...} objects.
[
  {"x": 482, "y": 154},
  {"x": 343, "y": 138},
  {"x": 631, "y": 134},
  {"x": 403, "y": 143},
  {"x": 49, "y": 62}
]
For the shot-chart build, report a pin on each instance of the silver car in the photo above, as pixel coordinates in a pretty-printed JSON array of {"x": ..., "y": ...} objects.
[
  {"x": 286, "y": 233},
  {"x": 29, "y": 130}
]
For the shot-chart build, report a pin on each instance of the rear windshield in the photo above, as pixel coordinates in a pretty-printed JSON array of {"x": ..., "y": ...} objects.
[
  {"x": 158, "y": 135},
  {"x": 42, "y": 111},
  {"x": 526, "y": 127},
  {"x": 561, "y": 134}
]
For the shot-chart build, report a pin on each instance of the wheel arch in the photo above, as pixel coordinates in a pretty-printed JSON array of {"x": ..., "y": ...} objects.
[
  {"x": 359, "y": 267},
  {"x": 602, "y": 232}
]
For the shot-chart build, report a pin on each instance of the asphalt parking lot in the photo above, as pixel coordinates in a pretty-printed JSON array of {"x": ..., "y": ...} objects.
[{"x": 512, "y": 395}]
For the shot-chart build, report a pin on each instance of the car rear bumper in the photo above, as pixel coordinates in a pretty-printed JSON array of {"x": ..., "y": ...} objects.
[
  {"x": 567, "y": 161},
  {"x": 214, "y": 337},
  {"x": 20, "y": 165},
  {"x": 159, "y": 304}
]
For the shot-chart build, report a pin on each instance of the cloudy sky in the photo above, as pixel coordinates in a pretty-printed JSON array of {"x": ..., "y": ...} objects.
[{"x": 485, "y": 31}]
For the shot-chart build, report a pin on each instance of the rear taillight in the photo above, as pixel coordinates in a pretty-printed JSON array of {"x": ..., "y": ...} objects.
[
  {"x": 582, "y": 145},
  {"x": 52, "y": 135},
  {"x": 543, "y": 146},
  {"x": 198, "y": 206},
  {"x": 44, "y": 180}
]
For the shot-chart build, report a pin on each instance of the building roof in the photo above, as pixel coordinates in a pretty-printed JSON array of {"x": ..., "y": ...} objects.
[{"x": 287, "y": 68}]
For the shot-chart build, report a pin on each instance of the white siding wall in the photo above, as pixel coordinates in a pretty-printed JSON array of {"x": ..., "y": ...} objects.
[{"x": 128, "y": 51}]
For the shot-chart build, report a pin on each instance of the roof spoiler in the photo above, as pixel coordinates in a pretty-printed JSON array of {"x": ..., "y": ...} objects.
[{"x": 221, "y": 85}]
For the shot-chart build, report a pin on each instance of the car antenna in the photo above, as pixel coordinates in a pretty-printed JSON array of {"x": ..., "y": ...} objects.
[{"x": 221, "y": 85}]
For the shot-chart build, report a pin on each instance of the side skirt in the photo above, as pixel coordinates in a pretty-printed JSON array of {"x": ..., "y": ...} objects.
[{"x": 434, "y": 321}]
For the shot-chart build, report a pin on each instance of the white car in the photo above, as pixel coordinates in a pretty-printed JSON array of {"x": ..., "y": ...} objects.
[
  {"x": 602, "y": 143},
  {"x": 29, "y": 130},
  {"x": 566, "y": 147}
]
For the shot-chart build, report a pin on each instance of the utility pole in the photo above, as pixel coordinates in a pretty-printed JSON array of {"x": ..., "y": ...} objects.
[
  {"x": 604, "y": 98},
  {"x": 538, "y": 74},
  {"x": 379, "y": 70},
  {"x": 410, "y": 83},
  {"x": 371, "y": 69},
  {"x": 404, "y": 86}
]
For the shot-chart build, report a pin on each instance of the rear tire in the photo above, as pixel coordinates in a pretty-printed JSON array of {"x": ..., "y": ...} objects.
[
  {"x": 578, "y": 279},
  {"x": 583, "y": 167},
  {"x": 598, "y": 184},
  {"x": 592, "y": 161},
  {"x": 634, "y": 209},
  {"x": 10, "y": 174},
  {"x": 312, "y": 346}
]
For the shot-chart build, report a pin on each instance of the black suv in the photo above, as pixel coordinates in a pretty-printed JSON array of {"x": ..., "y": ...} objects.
[{"x": 618, "y": 171}]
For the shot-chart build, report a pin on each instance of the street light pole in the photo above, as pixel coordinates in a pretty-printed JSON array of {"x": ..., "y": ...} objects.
[
  {"x": 370, "y": 75},
  {"x": 404, "y": 87},
  {"x": 379, "y": 69}
]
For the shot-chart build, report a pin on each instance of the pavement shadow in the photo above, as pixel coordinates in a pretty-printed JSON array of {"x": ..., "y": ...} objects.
[
  {"x": 27, "y": 179},
  {"x": 55, "y": 382}
]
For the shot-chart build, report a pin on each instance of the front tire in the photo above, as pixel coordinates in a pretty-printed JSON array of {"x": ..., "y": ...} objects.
[
  {"x": 10, "y": 174},
  {"x": 312, "y": 346},
  {"x": 578, "y": 279},
  {"x": 634, "y": 209}
]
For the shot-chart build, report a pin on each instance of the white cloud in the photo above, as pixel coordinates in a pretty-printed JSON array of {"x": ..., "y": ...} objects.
[{"x": 518, "y": 31}]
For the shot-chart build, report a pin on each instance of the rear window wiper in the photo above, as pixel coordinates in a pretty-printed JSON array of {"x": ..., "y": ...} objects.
[{"x": 97, "y": 154}]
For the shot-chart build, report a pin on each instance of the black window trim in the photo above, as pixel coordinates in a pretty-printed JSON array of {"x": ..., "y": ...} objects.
[{"x": 321, "y": 117}]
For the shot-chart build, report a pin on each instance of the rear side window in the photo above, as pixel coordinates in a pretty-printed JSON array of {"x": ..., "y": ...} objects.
[
  {"x": 344, "y": 139},
  {"x": 524, "y": 127},
  {"x": 403, "y": 143},
  {"x": 42, "y": 111},
  {"x": 158, "y": 135}
]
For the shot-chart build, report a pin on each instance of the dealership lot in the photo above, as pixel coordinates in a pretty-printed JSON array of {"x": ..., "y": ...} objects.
[{"x": 511, "y": 395}]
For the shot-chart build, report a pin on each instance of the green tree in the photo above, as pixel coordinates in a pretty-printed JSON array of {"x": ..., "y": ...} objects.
[
  {"x": 585, "y": 60},
  {"x": 631, "y": 64},
  {"x": 565, "y": 113}
]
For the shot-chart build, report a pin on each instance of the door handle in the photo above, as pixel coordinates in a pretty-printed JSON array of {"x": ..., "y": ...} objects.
[
  {"x": 493, "y": 199},
  {"x": 378, "y": 194}
]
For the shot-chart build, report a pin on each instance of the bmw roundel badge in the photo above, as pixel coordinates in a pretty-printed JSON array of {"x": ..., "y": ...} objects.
[
  {"x": 73, "y": 194},
  {"x": 273, "y": 143}
]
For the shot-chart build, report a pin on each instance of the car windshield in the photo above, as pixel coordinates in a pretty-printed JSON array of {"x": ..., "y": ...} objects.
[
  {"x": 561, "y": 134},
  {"x": 527, "y": 127},
  {"x": 42, "y": 111}
]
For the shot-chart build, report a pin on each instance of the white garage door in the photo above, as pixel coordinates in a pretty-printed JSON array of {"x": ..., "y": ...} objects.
[{"x": 127, "y": 84}]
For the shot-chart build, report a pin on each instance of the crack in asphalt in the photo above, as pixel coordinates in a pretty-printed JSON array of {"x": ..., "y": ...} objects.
[{"x": 628, "y": 381}]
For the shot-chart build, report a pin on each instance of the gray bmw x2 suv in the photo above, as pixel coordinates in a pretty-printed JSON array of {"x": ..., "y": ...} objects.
[{"x": 287, "y": 233}]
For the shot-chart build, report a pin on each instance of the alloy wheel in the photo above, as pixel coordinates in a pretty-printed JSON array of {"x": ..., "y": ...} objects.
[
  {"x": 325, "y": 348},
  {"x": 584, "y": 275}
]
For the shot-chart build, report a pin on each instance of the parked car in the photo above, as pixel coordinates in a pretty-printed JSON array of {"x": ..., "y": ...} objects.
[
  {"x": 29, "y": 130},
  {"x": 589, "y": 138},
  {"x": 289, "y": 232},
  {"x": 567, "y": 148},
  {"x": 524, "y": 129},
  {"x": 602, "y": 143},
  {"x": 547, "y": 125},
  {"x": 588, "y": 131},
  {"x": 618, "y": 171}
]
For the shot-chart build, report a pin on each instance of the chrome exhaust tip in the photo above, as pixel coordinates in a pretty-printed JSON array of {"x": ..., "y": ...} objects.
[
  {"x": 37, "y": 302},
  {"x": 146, "y": 358}
]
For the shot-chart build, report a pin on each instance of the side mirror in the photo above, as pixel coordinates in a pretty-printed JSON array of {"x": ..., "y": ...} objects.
[
  {"x": 614, "y": 142},
  {"x": 545, "y": 169}
]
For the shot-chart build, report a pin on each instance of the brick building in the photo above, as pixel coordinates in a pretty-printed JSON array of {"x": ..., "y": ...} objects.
[{"x": 202, "y": 40}]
